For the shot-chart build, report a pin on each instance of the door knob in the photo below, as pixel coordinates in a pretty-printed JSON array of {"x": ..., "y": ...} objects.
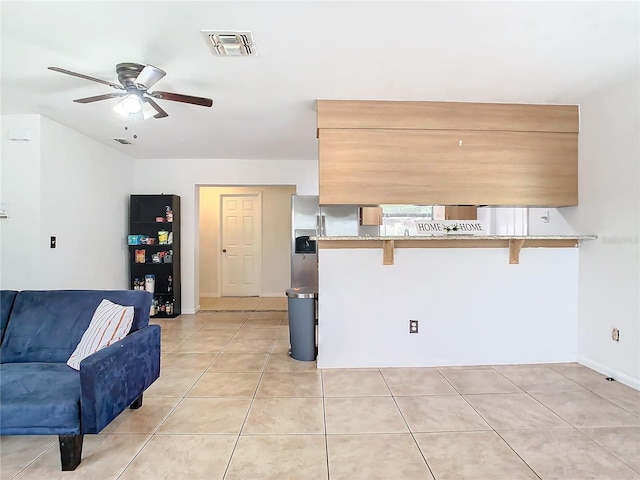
[{"x": 224, "y": 250}]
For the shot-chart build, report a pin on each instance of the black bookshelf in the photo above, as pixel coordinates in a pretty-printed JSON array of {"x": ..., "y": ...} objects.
[{"x": 154, "y": 249}]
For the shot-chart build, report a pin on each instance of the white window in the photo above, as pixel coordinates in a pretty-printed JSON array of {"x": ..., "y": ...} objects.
[{"x": 399, "y": 220}]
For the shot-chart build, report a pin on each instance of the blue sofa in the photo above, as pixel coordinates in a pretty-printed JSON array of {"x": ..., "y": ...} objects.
[{"x": 41, "y": 395}]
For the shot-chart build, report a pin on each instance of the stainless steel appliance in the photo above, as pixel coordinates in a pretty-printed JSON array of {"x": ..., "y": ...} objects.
[
  {"x": 305, "y": 212},
  {"x": 308, "y": 219}
]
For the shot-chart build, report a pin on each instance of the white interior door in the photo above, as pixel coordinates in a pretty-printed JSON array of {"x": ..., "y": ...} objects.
[{"x": 241, "y": 245}]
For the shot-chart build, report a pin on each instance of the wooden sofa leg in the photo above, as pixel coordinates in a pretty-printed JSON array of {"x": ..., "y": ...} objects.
[
  {"x": 137, "y": 403},
  {"x": 70, "y": 451}
]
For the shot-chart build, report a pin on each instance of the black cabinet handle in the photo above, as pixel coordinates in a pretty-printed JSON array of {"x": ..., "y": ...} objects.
[{"x": 224, "y": 250}]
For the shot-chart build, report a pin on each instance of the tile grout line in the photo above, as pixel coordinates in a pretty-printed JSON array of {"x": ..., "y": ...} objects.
[
  {"x": 517, "y": 454},
  {"x": 324, "y": 418},
  {"x": 210, "y": 363},
  {"x": 487, "y": 421},
  {"x": 264, "y": 368},
  {"x": 141, "y": 449},
  {"x": 155, "y": 431},
  {"x": 151, "y": 435},
  {"x": 407, "y": 425},
  {"x": 573, "y": 427},
  {"x": 533, "y": 398},
  {"x": 595, "y": 392},
  {"x": 605, "y": 448},
  {"x": 34, "y": 460},
  {"x": 491, "y": 426}
]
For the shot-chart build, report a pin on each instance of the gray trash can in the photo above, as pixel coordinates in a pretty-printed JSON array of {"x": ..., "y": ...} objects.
[{"x": 301, "y": 303}]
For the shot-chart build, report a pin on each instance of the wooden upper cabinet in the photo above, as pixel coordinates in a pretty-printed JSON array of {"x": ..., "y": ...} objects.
[
  {"x": 447, "y": 116},
  {"x": 455, "y": 161},
  {"x": 370, "y": 215},
  {"x": 460, "y": 213},
  {"x": 365, "y": 167}
]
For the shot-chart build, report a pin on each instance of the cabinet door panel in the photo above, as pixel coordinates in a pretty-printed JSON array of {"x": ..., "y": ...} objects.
[
  {"x": 364, "y": 114},
  {"x": 447, "y": 167},
  {"x": 370, "y": 215},
  {"x": 460, "y": 213}
]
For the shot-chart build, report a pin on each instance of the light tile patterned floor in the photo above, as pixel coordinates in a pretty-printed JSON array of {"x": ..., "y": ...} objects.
[{"x": 231, "y": 404}]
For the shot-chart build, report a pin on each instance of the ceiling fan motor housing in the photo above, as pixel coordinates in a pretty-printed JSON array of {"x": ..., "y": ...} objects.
[{"x": 128, "y": 72}]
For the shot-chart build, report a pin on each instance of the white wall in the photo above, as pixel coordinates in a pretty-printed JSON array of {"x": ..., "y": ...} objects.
[
  {"x": 73, "y": 188},
  {"x": 550, "y": 221},
  {"x": 276, "y": 238},
  {"x": 184, "y": 178},
  {"x": 20, "y": 237},
  {"x": 609, "y": 294},
  {"x": 473, "y": 307}
]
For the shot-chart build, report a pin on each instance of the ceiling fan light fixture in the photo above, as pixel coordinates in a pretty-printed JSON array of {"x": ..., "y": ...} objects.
[
  {"x": 120, "y": 110},
  {"x": 148, "y": 111},
  {"x": 132, "y": 104},
  {"x": 133, "y": 107}
]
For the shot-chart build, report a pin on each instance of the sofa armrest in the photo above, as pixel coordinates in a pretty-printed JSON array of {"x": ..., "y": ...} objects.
[{"x": 112, "y": 378}]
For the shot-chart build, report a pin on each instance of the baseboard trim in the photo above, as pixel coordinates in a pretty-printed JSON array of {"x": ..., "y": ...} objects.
[
  {"x": 262, "y": 295},
  {"x": 610, "y": 372}
]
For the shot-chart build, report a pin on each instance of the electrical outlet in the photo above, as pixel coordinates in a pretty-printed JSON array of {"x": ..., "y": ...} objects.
[
  {"x": 615, "y": 335},
  {"x": 413, "y": 326},
  {"x": 52, "y": 242},
  {"x": 545, "y": 218}
]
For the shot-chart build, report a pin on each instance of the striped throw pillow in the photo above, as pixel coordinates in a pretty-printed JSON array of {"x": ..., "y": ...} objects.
[{"x": 110, "y": 322}]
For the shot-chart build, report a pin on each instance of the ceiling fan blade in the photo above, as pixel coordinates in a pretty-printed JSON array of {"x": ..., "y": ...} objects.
[
  {"x": 148, "y": 77},
  {"x": 86, "y": 77},
  {"x": 161, "y": 113},
  {"x": 177, "y": 97},
  {"x": 99, "y": 97}
]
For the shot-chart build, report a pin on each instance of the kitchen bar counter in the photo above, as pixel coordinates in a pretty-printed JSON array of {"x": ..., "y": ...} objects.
[
  {"x": 450, "y": 236},
  {"x": 514, "y": 242},
  {"x": 473, "y": 307}
]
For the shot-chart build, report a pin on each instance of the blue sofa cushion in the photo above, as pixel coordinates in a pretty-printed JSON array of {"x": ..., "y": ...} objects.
[
  {"x": 39, "y": 399},
  {"x": 46, "y": 326},
  {"x": 6, "y": 303}
]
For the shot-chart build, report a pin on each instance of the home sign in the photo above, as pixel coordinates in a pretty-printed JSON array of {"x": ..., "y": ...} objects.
[{"x": 451, "y": 227}]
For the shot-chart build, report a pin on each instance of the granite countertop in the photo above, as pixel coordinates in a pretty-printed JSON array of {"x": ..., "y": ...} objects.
[{"x": 463, "y": 237}]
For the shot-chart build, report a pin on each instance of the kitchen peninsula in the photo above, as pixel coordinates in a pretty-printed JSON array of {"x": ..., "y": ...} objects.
[
  {"x": 473, "y": 306},
  {"x": 477, "y": 300}
]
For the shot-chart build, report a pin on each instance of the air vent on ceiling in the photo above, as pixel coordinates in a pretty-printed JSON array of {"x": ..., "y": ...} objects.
[
  {"x": 122, "y": 141},
  {"x": 231, "y": 44}
]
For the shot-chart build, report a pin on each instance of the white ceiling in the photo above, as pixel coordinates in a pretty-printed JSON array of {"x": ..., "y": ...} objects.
[{"x": 264, "y": 106}]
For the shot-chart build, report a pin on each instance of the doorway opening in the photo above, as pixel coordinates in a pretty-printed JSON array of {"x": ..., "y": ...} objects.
[{"x": 232, "y": 218}]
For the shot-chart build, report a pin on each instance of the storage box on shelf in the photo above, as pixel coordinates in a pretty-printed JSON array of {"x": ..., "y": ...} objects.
[{"x": 154, "y": 250}]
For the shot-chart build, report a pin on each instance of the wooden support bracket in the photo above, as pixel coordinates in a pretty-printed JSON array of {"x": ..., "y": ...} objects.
[
  {"x": 387, "y": 256},
  {"x": 514, "y": 251}
]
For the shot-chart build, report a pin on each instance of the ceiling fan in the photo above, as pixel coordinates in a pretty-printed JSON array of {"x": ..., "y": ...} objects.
[{"x": 135, "y": 81}]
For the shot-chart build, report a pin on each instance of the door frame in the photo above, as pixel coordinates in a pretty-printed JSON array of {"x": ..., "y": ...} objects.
[{"x": 258, "y": 195}]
